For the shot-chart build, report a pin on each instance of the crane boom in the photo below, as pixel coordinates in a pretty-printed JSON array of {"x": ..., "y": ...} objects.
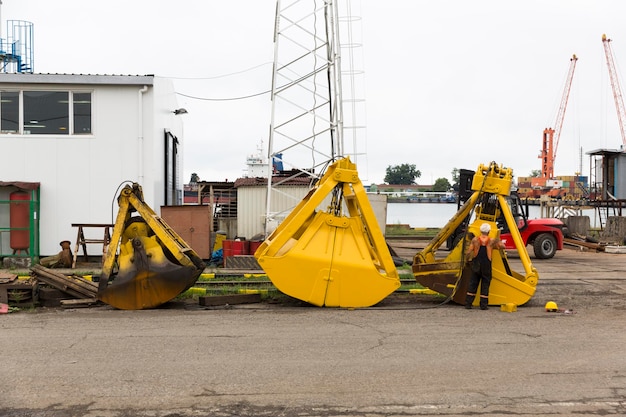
[
  {"x": 551, "y": 136},
  {"x": 617, "y": 92}
]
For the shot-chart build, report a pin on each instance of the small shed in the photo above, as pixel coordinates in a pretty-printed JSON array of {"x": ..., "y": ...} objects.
[
  {"x": 608, "y": 168},
  {"x": 252, "y": 202}
]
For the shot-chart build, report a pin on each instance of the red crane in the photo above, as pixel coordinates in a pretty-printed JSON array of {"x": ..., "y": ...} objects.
[
  {"x": 617, "y": 92},
  {"x": 550, "y": 135}
]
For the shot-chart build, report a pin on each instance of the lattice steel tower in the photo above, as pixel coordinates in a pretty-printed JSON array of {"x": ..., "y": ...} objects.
[{"x": 309, "y": 109}]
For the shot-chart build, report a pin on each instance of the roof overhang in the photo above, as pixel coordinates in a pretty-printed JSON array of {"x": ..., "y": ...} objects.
[
  {"x": 28, "y": 78},
  {"x": 22, "y": 185},
  {"x": 605, "y": 152}
]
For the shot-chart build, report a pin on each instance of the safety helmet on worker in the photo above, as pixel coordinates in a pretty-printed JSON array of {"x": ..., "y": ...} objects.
[
  {"x": 551, "y": 306},
  {"x": 485, "y": 228}
]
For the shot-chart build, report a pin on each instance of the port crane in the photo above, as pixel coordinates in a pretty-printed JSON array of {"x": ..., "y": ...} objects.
[
  {"x": 617, "y": 92},
  {"x": 551, "y": 136}
]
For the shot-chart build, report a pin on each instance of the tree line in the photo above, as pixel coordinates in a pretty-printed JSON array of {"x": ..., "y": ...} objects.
[{"x": 406, "y": 174}]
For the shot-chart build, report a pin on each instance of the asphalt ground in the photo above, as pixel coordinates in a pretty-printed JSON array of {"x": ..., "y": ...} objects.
[{"x": 403, "y": 357}]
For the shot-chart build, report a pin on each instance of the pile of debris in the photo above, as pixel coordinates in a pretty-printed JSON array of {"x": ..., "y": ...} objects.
[
  {"x": 602, "y": 244},
  {"x": 64, "y": 290},
  {"x": 584, "y": 242},
  {"x": 18, "y": 291}
]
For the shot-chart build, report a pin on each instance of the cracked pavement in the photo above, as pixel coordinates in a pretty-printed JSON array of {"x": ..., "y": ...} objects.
[{"x": 404, "y": 357}]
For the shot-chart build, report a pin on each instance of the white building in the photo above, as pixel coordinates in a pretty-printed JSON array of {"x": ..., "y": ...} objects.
[{"x": 82, "y": 137}]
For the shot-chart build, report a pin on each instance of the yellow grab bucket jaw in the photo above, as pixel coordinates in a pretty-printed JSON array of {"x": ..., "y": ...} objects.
[
  {"x": 450, "y": 275},
  {"x": 146, "y": 277},
  {"x": 147, "y": 263},
  {"x": 327, "y": 259}
]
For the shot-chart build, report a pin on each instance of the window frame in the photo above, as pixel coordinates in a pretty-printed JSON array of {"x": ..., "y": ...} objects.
[
  {"x": 71, "y": 112},
  {"x": 16, "y": 94}
]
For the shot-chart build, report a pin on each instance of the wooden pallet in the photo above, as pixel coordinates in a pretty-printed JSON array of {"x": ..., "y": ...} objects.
[{"x": 26, "y": 289}]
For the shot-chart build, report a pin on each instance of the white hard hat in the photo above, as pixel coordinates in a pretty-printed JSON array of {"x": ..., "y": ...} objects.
[{"x": 485, "y": 228}]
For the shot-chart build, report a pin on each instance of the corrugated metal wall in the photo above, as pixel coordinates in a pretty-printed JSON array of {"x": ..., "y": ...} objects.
[{"x": 251, "y": 206}]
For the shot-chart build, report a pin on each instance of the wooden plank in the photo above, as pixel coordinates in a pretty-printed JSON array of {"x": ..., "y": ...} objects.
[
  {"x": 580, "y": 243},
  {"x": 6, "y": 277},
  {"x": 80, "y": 284},
  {"x": 75, "y": 286},
  {"x": 85, "y": 283},
  {"x": 80, "y": 281},
  {"x": 81, "y": 302},
  {"x": 59, "y": 286},
  {"x": 220, "y": 300}
]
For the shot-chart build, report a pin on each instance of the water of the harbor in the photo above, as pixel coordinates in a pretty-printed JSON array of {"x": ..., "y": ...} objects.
[{"x": 418, "y": 215}]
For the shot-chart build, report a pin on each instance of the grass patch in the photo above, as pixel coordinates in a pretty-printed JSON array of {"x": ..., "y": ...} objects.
[{"x": 406, "y": 230}]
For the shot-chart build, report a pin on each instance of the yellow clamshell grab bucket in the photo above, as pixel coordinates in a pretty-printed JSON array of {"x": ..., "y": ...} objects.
[
  {"x": 450, "y": 275},
  {"x": 326, "y": 258},
  {"x": 147, "y": 262}
]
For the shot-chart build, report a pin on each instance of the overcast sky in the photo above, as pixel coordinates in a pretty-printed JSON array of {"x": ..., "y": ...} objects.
[{"x": 448, "y": 84}]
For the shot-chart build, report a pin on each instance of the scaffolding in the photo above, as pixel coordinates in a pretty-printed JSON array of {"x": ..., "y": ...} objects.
[{"x": 16, "y": 50}]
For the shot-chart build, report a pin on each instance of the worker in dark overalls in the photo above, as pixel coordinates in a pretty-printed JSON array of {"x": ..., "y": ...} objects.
[{"x": 479, "y": 252}]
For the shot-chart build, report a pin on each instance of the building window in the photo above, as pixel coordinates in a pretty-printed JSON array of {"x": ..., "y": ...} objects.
[
  {"x": 10, "y": 111},
  {"x": 82, "y": 113},
  {"x": 46, "y": 112}
]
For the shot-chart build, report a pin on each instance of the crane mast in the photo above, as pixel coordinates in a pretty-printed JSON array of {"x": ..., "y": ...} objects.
[
  {"x": 617, "y": 92},
  {"x": 551, "y": 136}
]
